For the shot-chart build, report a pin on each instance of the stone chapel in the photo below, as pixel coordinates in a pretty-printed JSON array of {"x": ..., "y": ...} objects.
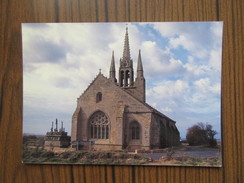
[{"x": 113, "y": 114}]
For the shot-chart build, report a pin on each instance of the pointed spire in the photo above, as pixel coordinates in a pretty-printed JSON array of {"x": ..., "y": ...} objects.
[
  {"x": 126, "y": 53},
  {"x": 139, "y": 66},
  {"x": 112, "y": 67},
  {"x": 126, "y": 73}
]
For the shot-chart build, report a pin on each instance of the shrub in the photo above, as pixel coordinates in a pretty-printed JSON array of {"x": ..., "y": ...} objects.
[
  {"x": 36, "y": 154},
  {"x": 47, "y": 154},
  {"x": 65, "y": 155},
  {"x": 201, "y": 134}
]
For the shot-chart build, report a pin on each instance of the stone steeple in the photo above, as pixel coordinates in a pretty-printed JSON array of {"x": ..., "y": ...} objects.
[
  {"x": 126, "y": 73},
  {"x": 126, "y": 53},
  {"x": 112, "y": 69},
  {"x": 140, "y": 80},
  {"x": 139, "y": 66}
]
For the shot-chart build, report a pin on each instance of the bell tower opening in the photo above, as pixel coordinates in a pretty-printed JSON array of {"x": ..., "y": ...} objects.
[{"x": 126, "y": 73}]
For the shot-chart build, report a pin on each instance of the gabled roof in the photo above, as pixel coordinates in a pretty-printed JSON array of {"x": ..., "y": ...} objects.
[
  {"x": 153, "y": 110},
  {"x": 93, "y": 81}
]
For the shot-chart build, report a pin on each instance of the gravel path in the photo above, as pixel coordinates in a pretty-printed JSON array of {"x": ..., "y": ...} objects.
[{"x": 199, "y": 152}]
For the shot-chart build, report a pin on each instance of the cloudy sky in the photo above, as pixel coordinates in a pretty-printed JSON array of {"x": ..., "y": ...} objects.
[{"x": 182, "y": 67}]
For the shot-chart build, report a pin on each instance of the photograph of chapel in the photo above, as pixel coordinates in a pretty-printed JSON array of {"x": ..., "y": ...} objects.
[
  {"x": 137, "y": 93},
  {"x": 112, "y": 113}
]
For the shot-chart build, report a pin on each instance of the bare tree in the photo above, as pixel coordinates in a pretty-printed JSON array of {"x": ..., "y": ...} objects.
[{"x": 201, "y": 134}]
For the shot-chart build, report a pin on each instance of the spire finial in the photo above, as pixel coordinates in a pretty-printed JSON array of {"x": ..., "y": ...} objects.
[{"x": 100, "y": 71}]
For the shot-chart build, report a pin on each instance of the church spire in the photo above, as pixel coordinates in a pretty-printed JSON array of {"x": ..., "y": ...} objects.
[
  {"x": 139, "y": 66},
  {"x": 126, "y": 53},
  {"x": 112, "y": 69},
  {"x": 140, "y": 80},
  {"x": 126, "y": 73}
]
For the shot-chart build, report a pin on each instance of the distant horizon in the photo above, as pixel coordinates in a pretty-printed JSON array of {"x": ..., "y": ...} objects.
[
  {"x": 181, "y": 61},
  {"x": 30, "y": 134}
]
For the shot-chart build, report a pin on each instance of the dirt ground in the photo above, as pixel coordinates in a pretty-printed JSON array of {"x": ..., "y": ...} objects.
[
  {"x": 187, "y": 156},
  {"x": 184, "y": 155}
]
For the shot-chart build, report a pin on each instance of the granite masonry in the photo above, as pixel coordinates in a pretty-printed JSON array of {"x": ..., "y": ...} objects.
[
  {"x": 113, "y": 114},
  {"x": 56, "y": 138}
]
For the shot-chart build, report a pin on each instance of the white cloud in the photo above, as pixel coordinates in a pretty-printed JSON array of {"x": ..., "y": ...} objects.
[
  {"x": 205, "y": 86},
  {"x": 166, "y": 110},
  {"x": 158, "y": 62},
  {"x": 60, "y": 60},
  {"x": 215, "y": 60},
  {"x": 168, "y": 29},
  {"x": 194, "y": 69},
  {"x": 181, "y": 40},
  {"x": 192, "y": 36},
  {"x": 168, "y": 89},
  {"x": 217, "y": 30}
]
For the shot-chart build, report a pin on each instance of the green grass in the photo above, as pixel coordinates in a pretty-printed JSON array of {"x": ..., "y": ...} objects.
[
  {"x": 189, "y": 161},
  {"x": 82, "y": 157}
]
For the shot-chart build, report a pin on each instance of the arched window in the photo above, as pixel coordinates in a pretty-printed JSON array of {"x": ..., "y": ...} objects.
[
  {"x": 135, "y": 130},
  {"x": 99, "y": 97},
  {"x": 127, "y": 78},
  {"x": 122, "y": 79},
  {"x": 99, "y": 126}
]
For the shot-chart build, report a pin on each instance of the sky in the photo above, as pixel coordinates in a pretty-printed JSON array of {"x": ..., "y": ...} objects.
[{"x": 181, "y": 62}]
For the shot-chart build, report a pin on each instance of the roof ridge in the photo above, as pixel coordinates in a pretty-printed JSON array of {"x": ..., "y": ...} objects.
[
  {"x": 152, "y": 108},
  {"x": 93, "y": 82},
  {"x": 144, "y": 103}
]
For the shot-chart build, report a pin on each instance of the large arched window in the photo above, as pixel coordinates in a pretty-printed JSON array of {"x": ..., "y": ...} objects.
[
  {"x": 99, "y": 126},
  {"x": 99, "y": 97},
  {"x": 135, "y": 130}
]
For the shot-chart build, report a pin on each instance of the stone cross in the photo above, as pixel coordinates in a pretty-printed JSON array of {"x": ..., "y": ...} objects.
[{"x": 56, "y": 124}]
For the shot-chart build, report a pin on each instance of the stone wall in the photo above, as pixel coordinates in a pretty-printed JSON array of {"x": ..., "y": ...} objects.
[
  {"x": 121, "y": 109},
  {"x": 165, "y": 133},
  {"x": 144, "y": 119}
]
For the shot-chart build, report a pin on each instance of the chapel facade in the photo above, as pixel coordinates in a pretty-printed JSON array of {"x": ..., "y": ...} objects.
[{"x": 112, "y": 114}]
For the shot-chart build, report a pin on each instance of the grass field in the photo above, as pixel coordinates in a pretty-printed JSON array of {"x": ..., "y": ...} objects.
[{"x": 184, "y": 155}]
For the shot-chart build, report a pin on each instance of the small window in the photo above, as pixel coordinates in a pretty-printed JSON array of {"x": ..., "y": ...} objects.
[
  {"x": 99, "y": 97},
  {"x": 135, "y": 130}
]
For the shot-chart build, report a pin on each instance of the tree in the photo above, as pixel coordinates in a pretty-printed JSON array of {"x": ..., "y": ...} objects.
[
  {"x": 201, "y": 134},
  {"x": 210, "y": 135}
]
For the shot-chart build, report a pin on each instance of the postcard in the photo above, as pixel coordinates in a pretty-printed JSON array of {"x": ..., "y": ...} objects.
[{"x": 122, "y": 93}]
